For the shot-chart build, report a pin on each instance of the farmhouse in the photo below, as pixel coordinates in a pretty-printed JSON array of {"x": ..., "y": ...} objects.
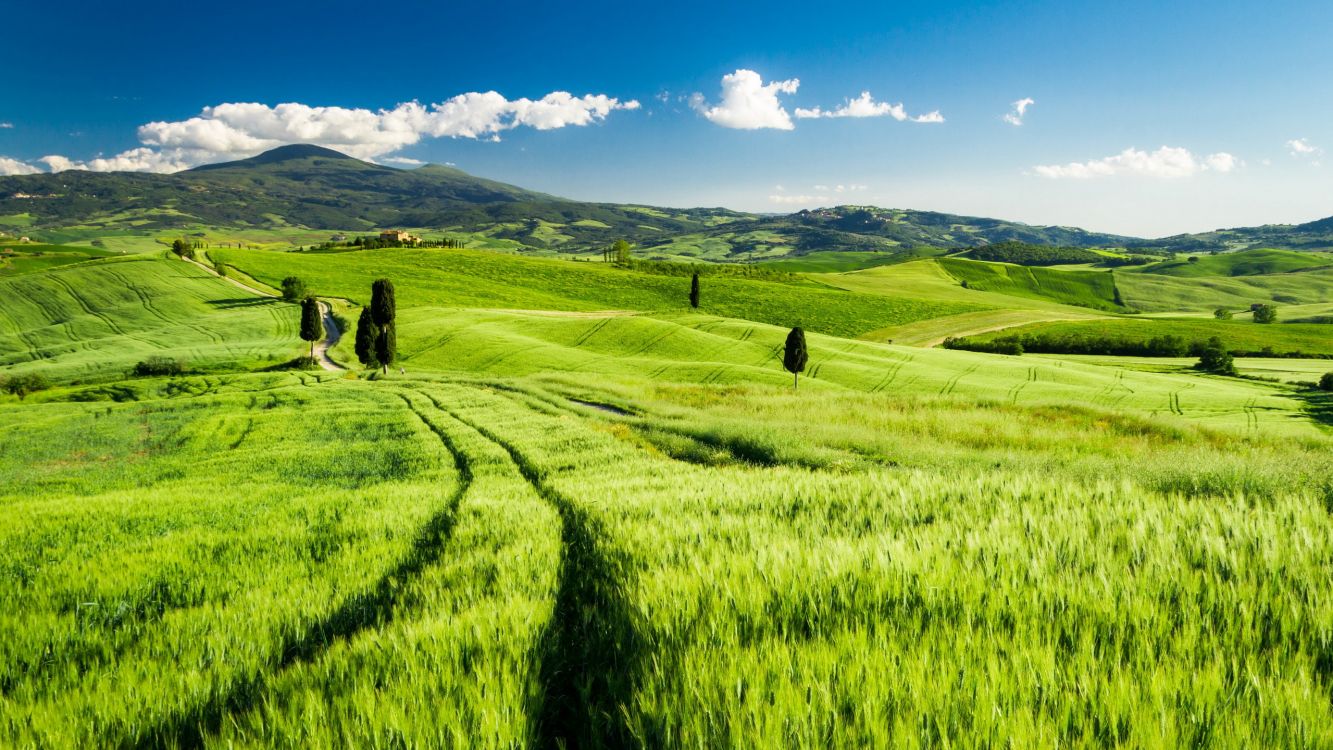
[{"x": 398, "y": 235}]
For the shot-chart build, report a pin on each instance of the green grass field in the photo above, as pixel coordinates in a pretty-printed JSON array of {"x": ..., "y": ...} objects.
[
  {"x": 1245, "y": 263},
  {"x": 1236, "y": 335},
  {"x": 96, "y": 320},
  {"x": 709, "y": 571},
  {"x": 1091, "y": 289},
  {"x": 588, "y": 516},
  {"x": 466, "y": 278}
]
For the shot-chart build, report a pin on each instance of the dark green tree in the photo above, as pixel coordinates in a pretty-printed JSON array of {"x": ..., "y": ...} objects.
[
  {"x": 694, "y": 291},
  {"x": 383, "y": 306},
  {"x": 22, "y": 385},
  {"x": 1326, "y": 382},
  {"x": 1265, "y": 313},
  {"x": 383, "y": 311},
  {"x": 794, "y": 355},
  {"x": 182, "y": 248},
  {"x": 312, "y": 323},
  {"x": 386, "y": 347},
  {"x": 366, "y": 333},
  {"x": 293, "y": 289},
  {"x": 1222, "y": 313},
  {"x": 1216, "y": 359}
]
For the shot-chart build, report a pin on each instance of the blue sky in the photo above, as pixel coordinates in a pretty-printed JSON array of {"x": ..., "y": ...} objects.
[{"x": 1146, "y": 118}]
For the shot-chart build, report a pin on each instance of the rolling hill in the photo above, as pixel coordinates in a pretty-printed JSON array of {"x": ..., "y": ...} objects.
[{"x": 317, "y": 188}]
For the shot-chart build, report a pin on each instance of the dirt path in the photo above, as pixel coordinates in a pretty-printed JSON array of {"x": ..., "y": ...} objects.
[
  {"x": 331, "y": 337},
  {"x": 331, "y": 332}
]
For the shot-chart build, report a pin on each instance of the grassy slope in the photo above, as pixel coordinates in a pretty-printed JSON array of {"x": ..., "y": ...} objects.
[
  {"x": 1245, "y": 263},
  {"x": 927, "y": 280},
  {"x": 465, "y": 278},
  {"x": 1091, "y": 289},
  {"x": 1160, "y": 293},
  {"x": 689, "y": 348},
  {"x": 1237, "y": 335},
  {"x": 561, "y": 576},
  {"x": 1284, "y": 369},
  {"x": 98, "y": 319}
]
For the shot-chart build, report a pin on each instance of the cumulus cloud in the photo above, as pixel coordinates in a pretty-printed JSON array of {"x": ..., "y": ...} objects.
[
  {"x": 838, "y": 188},
  {"x": 1017, "y": 110},
  {"x": 801, "y": 200},
  {"x": 241, "y": 129},
  {"x": 405, "y": 161},
  {"x": 1220, "y": 162},
  {"x": 866, "y": 106},
  {"x": 748, "y": 103},
  {"x": 9, "y": 167},
  {"x": 1166, "y": 162},
  {"x": 1302, "y": 147}
]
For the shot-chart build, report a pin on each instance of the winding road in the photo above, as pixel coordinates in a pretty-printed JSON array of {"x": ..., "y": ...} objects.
[{"x": 331, "y": 333}]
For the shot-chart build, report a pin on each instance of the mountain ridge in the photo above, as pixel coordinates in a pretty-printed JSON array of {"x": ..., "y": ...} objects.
[{"x": 319, "y": 188}]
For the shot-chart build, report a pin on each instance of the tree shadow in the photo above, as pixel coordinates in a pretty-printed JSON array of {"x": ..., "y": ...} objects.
[{"x": 228, "y": 304}]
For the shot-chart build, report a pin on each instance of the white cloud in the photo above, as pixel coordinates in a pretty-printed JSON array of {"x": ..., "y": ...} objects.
[
  {"x": 796, "y": 199},
  {"x": 10, "y": 167},
  {"x": 1019, "y": 108},
  {"x": 1165, "y": 162},
  {"x": 1302, "y": 147},
  {"x": 6, "y": 125},
  {"x": 405, "y": 161},
  {"x": 866, "y": 106},
  {"x": 242, "y": 129},
  {"x": 748, "y": 103},
  {"x": 1220, "y": 162}
]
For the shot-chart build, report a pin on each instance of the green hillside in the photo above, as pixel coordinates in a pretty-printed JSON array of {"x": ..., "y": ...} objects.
[
  {"x": 466, "y": 278},
  {"x": 1159, "y": 293},
  {"x": 1091, "y": 289},
  {"x": 96, "y": 320},
  {"x": 1244, "y": 263},
  {"x": 586, "y": 514}
]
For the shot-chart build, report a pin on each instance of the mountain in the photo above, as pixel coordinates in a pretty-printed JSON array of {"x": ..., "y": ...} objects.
[{"x": 311, "y": 187}]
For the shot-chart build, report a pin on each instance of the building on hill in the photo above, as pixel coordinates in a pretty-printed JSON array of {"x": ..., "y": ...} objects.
[
  {"x": 398, "y": 235},
  {"x": 339, "y": 238}
]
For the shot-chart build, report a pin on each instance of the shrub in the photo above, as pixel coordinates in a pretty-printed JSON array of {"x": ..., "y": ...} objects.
[
  {"x": 1265, "y": 313},
  {"x": 1216, "y": 359},
  {"x": 1222, "y": 313},
  {"x": 154, "y": 366},
  {"x": 22, "y": 385},
  {"x": 1326, "y": 382},
  {"x": 293, "y": 289}
]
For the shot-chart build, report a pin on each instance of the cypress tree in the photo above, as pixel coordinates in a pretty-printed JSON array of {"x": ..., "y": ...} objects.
[
  {"x": 312, "y": 327},
  {"x": 386, "y": 346},
  {"x": 694, "y": 291},
  {"x": 383, "y": 310},
  {"x": 794, "y": 355},
  {"x": 383, "y": 307},
  {"x": 366, "y": 333}
]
